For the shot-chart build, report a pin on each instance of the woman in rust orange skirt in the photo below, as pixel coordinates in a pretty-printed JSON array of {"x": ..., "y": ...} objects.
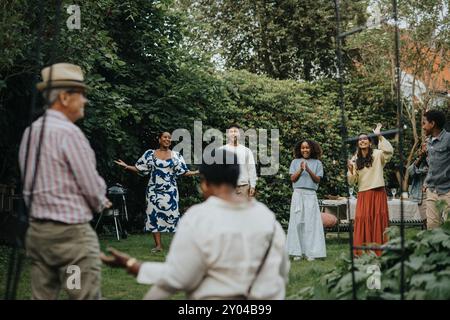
[{"x": 366, "y": 170}]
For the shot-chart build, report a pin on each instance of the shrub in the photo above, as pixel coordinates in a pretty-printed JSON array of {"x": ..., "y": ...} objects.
[{"x": 427, "y": 271}]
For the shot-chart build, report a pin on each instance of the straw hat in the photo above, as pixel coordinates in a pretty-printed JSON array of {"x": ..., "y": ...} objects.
[{"x": 64, "y": 75}]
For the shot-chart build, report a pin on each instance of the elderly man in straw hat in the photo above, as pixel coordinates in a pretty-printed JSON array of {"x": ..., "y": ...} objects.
[{"x": 62, "y": 246}]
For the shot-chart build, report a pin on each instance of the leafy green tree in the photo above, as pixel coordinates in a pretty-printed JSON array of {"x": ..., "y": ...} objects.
[
  {"x": 424, "y": 56},
  {"x": 145, "y": 77},
  {"x": 284, "y": 39},
  {"x": 130, "y": 53}
]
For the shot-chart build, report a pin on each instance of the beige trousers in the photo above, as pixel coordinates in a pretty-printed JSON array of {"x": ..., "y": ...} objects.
[
  {"x": 434, "y": 218},
  {"x": 423, "y": 209},
  {"x": 63, "y": 257}
]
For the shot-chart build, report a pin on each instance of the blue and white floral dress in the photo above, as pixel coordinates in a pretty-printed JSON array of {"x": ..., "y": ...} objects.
[{"x": 162, "y": 192}]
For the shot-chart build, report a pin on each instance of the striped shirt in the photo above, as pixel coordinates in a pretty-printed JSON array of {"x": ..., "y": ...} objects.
[{"x": 68, "y": 187}]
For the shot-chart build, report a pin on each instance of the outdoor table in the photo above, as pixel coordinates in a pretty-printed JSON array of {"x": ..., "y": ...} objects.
[{"x": 411, "y": 212}]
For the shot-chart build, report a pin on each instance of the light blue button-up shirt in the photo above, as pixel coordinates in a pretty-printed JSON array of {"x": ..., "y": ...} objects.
[{"x": 305, "y": 181}]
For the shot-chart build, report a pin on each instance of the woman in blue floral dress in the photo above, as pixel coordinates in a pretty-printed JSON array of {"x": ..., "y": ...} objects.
[{"x": 163, "y": 166}]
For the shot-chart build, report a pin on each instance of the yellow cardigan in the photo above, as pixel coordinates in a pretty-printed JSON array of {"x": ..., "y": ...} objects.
[{"x": 372, "y": 177}]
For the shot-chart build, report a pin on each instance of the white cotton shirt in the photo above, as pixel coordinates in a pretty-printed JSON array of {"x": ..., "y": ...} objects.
[
  {"x": 246, "y": 161},
  {"x": 216, "y": 251}
]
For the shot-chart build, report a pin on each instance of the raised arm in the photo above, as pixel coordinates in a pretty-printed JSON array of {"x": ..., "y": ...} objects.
[
  {"x": 384, "y": 145},
  {"x": 125, "y": 166},
  {"x": 191, "y": 173},
  {"x": 143, "y": 165}
]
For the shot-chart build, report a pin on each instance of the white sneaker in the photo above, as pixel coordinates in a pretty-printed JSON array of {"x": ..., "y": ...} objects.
[
  {"x": 310, "y": 259},
  {"x": 297, "y": 258}
]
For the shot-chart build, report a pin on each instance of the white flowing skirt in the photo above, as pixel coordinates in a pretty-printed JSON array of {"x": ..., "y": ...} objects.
[{"x": 305, "y": 232}]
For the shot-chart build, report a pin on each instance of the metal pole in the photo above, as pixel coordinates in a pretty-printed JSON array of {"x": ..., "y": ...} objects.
[
  {"x": 115, "y": 222},
  {"x": 400, "y": 146},
  {"x": 344, "y": 133}
]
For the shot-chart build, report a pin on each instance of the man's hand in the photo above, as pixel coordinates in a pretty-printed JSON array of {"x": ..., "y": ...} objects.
[
  {"x": 251, "y": 192},
  {"x": 108, "y": 204},
  {"x": 117, "y": 259}
]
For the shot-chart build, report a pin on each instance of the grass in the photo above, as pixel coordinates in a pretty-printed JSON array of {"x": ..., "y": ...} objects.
[
  {"x": 118, "y": 285},
  {"x": 305, "y": 273}
]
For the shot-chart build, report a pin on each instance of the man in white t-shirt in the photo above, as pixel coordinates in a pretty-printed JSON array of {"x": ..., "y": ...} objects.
[
  {"x": 225, "y": 248},
  {"x": 247, "y": 178}
]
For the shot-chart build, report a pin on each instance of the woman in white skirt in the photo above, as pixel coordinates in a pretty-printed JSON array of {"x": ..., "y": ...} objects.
[{"x": 305, "y": 232}]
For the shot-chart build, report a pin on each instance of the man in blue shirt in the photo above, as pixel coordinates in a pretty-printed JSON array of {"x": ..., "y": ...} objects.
[{"x": 437, "y": 182}]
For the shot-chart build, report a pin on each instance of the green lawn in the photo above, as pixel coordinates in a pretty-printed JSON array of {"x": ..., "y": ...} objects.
[{"x": 117, "y": 284}]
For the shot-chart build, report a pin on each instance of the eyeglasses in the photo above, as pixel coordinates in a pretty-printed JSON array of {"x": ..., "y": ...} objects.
[{"x": 363, "y": 138}]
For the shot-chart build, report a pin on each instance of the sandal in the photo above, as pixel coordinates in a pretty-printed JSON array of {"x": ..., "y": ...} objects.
[{"x": 154, "y": 250}]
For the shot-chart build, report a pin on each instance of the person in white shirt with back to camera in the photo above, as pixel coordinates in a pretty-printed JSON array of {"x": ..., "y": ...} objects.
[{"x": 227, "y": 247}]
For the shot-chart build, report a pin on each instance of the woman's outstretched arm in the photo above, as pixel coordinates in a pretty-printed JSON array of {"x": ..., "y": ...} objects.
[
  {"x": 191, "y": 173},
  {"x": 125, "y": 166}
]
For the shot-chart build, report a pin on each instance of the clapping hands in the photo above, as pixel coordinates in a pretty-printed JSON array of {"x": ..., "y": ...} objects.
[{"x": 303, "y": 165}]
